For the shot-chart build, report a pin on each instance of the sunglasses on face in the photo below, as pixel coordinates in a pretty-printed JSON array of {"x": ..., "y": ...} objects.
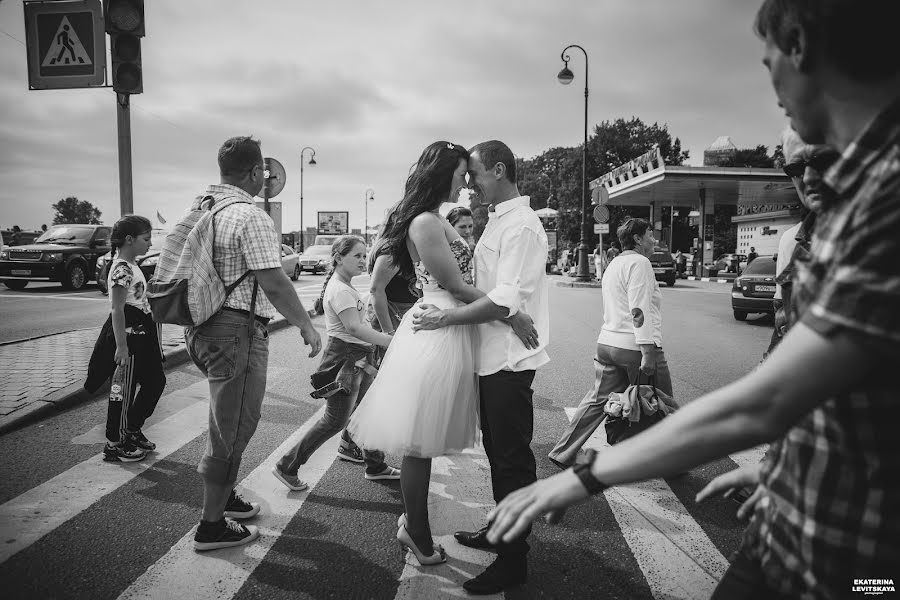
[{"x": 819, "y": 162}]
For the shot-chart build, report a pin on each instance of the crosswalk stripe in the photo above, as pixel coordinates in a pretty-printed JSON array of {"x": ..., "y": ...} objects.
[
  {"x": 676, "y": 557},
  {"x": 459, "y": 499},
  {"x": 221, "y": 573},
  {"x": 35, "y": 513}
]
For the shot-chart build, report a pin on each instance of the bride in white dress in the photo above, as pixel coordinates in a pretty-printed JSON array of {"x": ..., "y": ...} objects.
[{"x": 424, "y": 400}]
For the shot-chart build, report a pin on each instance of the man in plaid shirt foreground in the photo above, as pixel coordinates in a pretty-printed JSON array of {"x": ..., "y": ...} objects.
[
  {"x": 828, "y": 396},
  {"x": 232, "y": 351}
]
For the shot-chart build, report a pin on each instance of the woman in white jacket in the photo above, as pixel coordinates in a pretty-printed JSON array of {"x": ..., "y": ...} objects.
[{"x": 630, "y": 341}]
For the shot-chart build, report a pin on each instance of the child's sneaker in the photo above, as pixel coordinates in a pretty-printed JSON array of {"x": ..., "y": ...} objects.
[
  {"x": 352, "y": 454},
  {"x": 140, "y": 440},
  {"x": 238, "y": 508},
  {"x": 122, "y": 452},
  {"x": 293, "y": 483},
  {"x": 224, "y": 534}
]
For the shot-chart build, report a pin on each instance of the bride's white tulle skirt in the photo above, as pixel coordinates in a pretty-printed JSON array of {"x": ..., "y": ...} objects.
[{"x": 424, "y": 400}]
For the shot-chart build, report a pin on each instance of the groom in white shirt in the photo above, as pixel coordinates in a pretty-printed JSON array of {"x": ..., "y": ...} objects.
[{"x": 510, "y": 261}]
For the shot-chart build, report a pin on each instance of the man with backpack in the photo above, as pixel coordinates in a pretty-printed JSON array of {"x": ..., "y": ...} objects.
[{"x": 238, "y": 246}]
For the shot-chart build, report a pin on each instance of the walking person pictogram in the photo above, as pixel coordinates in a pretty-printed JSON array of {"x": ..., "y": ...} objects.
[{"x": 62, "y": 39}]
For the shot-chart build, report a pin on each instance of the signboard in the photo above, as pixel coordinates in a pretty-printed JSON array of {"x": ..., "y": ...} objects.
[
  {"x": 65, "y": 44},
  {"x": 761, "y": 209},
  {"x": 332, "y": 223},
  {"x": 601, "y": 214},
  {"x": 601, "y": 227}
]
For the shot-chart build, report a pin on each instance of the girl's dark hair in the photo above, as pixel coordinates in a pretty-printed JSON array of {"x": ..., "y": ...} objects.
[
  {"x": 133, "y": 225},
  {"x": 457, "y": 213},
  {"x": 341, "y": 247},
  {"x": 427, "y": 187},
  {"x": 630, "y": 228}
]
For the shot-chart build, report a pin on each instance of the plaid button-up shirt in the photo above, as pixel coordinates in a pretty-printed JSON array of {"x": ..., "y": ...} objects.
[
  {"x": 832, "y": 508},
  {"x": 245, "y": 239}
]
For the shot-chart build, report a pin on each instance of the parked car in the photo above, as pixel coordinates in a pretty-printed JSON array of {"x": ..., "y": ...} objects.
[
  {"x": 146, "y": 262},
  {"x": 325, "y": 240},
  {"x": 64, "y": 253},
  {"x": 754, "y": 290},
  {"x": 290, "y": 262},
  {"x": 316, "y": 258},
  {"x": 664, "y": 267},
  {"x": 729, "y": 263}
]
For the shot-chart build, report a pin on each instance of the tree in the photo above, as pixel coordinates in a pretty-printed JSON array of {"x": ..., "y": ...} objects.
[
  {"x": 751, "y": 157},
  {"x": 613, "y": 143},
  {"x": 73, "y": 210}
]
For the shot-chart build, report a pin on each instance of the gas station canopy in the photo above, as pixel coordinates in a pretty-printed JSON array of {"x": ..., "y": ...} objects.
[{"x": 647, "y": 179}]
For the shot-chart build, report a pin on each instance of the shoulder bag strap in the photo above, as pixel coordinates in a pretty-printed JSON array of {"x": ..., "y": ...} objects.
[{"x": 233, "y": 286}]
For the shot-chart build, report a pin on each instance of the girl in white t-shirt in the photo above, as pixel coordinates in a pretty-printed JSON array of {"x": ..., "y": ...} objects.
[
  {"x": 346, "y": 370},
  {"x": 133, "y": 338}
]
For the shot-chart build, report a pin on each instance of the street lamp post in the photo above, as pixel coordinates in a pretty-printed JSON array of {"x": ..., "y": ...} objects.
[
  {"x": 370, "y": 195},
  {"x": 565, "y": 77},
  {"x": 312, "y": 161}
]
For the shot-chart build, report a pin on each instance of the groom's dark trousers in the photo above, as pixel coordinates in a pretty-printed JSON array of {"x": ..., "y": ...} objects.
[{"x": 507, "y": 426}]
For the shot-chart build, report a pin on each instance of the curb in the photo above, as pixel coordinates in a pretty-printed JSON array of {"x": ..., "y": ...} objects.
[{"x": 75, "y": 394}]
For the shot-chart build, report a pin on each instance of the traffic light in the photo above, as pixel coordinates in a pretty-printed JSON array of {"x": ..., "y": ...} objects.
[{"x": 125, "y": 26}]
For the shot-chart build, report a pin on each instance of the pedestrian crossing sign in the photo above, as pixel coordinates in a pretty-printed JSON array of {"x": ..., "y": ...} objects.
[{"x": 66, "y": 44}]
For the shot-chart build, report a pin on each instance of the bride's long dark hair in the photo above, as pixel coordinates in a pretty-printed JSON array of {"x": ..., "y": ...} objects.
[{"x": 427, "y": 187}]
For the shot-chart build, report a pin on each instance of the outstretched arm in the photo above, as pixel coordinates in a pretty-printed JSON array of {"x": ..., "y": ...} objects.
[{"x": 758, "y": 408}]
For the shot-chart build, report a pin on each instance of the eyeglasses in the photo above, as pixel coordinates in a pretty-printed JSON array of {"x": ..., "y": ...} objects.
[{"x": 818, "y": 162}]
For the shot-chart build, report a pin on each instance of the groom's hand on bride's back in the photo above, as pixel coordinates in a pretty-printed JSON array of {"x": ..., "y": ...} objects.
[
  {"x": 523, "y": 326},
  {"x": 427, "y": 316}
]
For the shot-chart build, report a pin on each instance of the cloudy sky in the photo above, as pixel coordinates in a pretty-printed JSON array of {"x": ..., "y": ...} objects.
[{"x": 369, "y": 85}]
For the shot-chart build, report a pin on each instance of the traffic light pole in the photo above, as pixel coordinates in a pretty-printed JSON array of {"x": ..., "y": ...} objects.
[{"x": 123, "y": 119}]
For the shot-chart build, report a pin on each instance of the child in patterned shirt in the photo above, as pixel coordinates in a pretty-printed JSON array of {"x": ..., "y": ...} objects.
[{"x": 133, "y": 335}]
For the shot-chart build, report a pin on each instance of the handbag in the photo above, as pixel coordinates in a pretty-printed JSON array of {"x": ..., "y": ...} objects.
[{"x": 638, "y": 408}]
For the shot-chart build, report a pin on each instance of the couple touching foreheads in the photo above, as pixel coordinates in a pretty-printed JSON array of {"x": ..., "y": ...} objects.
[{"x": 469, "y": 352}]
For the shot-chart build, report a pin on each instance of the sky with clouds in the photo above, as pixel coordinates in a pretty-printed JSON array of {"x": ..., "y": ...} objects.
[{"x": 369, "y": 85}]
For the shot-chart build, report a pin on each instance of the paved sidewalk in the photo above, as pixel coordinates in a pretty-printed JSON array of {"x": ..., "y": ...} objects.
[{"x": 44, "y": 374}]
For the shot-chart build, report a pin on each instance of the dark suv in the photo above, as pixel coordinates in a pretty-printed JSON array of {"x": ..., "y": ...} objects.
[
  {"x": 664, "y": 267},
  {"x": 64, "y": 253}
]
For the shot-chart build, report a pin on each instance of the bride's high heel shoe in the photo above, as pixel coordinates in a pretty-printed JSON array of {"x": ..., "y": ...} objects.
[{"x": 435, "y": 558}]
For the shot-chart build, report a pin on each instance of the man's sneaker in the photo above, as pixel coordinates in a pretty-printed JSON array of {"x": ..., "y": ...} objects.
[
  {"x": 238, "y": 508},
  {"x": 292, "y": 482},
  {"x": 122, "y": 452},
  {"x": 224, "y": 534},
  {"x": 386, "y": 473},
  {"x": 140, "y": 440},
  {"x": 352, "y": 454}
]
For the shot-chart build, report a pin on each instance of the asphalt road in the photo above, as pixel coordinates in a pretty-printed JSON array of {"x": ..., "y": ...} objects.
[
  {"x": 74, "y": 527},
  {"x": 46, "y": 308}
]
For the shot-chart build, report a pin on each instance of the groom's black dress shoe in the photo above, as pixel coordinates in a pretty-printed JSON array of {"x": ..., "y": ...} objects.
[
  {"x": 507, "y": 571},
  {"x": 475, "y": 539}
]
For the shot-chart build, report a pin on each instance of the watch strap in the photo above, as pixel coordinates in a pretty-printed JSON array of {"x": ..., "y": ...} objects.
[{"x": 583, "y": 472}]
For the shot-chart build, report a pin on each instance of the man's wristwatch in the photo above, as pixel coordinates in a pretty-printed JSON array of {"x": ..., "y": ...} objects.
[{"x": 583, "y": 472}]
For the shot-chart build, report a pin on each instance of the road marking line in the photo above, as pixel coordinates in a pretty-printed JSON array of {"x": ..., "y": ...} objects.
[
  {"x": 221, "y": 573},
  {"x": 676, "y": 557},
  {"x": 35, "y": 513}
]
